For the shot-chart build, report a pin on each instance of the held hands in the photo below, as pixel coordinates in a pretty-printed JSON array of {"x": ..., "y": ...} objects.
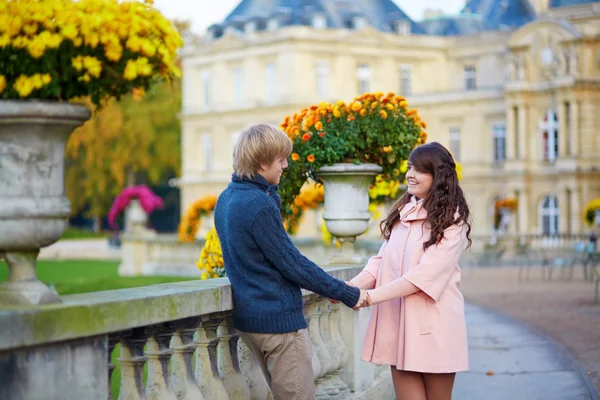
[{"x": 363, "y": 301}]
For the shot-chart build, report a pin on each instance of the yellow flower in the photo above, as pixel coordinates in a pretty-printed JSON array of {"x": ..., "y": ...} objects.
[
  {"x": 23, "y": 85},
  {"x": 387, "y": 149},
  {"x": 383, "y": 114},
  {"x": 295, "y": 156},
  {"x": 2, "y": 83},
  {"x": 36, "y": 48},
  {"x": 130, "y": 72},
  {"x": 4, "y": 40},
  {"x": 93, "y": 65},
  {"x": 390, "y": 107},
  {"x": 69, "y": 31}
]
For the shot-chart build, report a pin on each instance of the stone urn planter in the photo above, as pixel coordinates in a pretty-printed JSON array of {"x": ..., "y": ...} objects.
[
  {"x": 33, "y": 207},
  {"x": 346, "y": 211}
]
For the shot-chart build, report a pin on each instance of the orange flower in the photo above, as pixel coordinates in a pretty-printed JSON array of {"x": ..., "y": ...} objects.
[
  {"x": 374, "y": 105},
  {"x": 295, "y": 157},
  {"x": 383, "y": 114},
  {"x": 403, "y": 104},
  {"x": 351, "y": 117},
  {"x": 424, "y": 135},
  {"x": 378, "y": 96},
  {"x": 423, "y": 125},
  {"x": 313, "y": 107},
  {"x": 319, "y": 126},
  {"x": 322, "y": 134},
  {"x": 387, "y": 149},
  {"x": 305, "y": 137},
  {"x": 310, "y": 158},
  {"x": 363, "y": 112}
]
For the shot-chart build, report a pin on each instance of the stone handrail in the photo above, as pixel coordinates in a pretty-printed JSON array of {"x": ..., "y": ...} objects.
[
  {"x": 63, "y": 351},
  {"x": 165, "y": 255}
]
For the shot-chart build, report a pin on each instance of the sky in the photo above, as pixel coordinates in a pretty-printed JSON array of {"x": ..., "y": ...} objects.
[{"x": 203, "y": 13}]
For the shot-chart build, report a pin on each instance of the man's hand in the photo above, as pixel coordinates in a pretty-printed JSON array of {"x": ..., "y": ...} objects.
[
  {"x": 349, "y": 283},
  {"x": 362, "y": 300}
]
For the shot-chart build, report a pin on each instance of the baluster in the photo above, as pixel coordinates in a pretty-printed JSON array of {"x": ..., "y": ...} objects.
[
  {"x": 229, "y": 367},
  {"x": 182, "y": 371},
  {"x": 334, "y": 358},
  {"x": 113, "y": 340},
  {"x": 316, "y": 364},
  {"x": 252, "y": 373},
  {"x": 335, "y": 350},
  {"x": 344, "y": 353},
  {"x": 132, "y": 362},
  {"x": 158, "y": 386},
  {"x": 322, "y": 384},
  {"x": 207, "y": 374}
]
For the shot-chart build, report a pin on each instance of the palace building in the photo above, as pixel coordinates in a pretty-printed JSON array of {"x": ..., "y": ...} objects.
[{"x": 510, "y": 87}]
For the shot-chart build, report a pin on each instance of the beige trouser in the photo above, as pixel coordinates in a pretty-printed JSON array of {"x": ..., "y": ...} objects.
[{"x": 286, "y": 361}]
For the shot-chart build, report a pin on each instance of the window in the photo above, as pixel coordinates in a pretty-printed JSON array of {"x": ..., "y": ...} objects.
[
  {"x": 319, "y": 21},
  {"x": 549, "y": 129},
  {"x": 499, "y": 137},
  {"x": 454, "y": 133},
  {"x": 403, "y": 27},
  {"x": 206, "y": 87},
  {"x": 405, "y": 80},
  {"x": 237, "y": 85},
  {"x": 207, "y": 151},
  {"x": 272, "y": 24},
  {"x": 271, "y": 79},
  {"x": 549, "y": 216},
  {"x": 323, "y": 79},
  {"x": 470, "y": 77},
  {"x": 364, "y": 78}
]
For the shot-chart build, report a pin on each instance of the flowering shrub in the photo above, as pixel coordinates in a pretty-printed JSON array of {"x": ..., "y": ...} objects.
[
  {"x": 373, "y": 128},
  {"x": 148, "y": 201},
  {"x": 510, "y": 203},
  {"x": 311, "y": 196},
  {"x": 191, "y": 220},
  {"x": 590, "y": 211},
  {"x": 211, "y": 257},
  {"x": 62, "y": 50}
]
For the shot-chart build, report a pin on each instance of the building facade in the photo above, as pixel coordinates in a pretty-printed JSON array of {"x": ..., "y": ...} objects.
[{"x": 510, "y": 87}]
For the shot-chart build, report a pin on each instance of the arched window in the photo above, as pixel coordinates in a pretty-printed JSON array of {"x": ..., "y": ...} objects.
[{"x": 549, "y": 214}]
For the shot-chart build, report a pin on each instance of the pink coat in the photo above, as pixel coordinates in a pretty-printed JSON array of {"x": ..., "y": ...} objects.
[{"x": 424, "y": 331}]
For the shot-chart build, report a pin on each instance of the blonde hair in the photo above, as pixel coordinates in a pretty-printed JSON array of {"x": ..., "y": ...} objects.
[{"x": 260, "y": 144}]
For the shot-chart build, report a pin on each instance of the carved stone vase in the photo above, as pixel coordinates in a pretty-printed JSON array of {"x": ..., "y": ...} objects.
[
  {"x": 346, "y": 211},
  {"x": 33, "y": 207}
]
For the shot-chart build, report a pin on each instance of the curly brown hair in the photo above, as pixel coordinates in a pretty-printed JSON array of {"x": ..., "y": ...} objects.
[{"x": 445, "y": 198}]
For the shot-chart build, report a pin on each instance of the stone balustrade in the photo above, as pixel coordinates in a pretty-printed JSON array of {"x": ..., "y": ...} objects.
[
  {"x": 165, "y": 255},
  {"x": 182, "y": 335}
]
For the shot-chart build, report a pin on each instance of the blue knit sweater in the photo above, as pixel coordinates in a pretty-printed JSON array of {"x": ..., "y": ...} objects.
[{"x": 264, "y": 267}]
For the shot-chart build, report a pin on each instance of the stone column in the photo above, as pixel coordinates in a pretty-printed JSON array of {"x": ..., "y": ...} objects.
[
  {"x": 322, "y": 383},
  {"x": 158, "y": 385},
  {"x": 132, "y": 362},
  {"x": 182, "y": 371},
  {"x": 113, "y": 340},
  {"x": 207, "y": 374},
  {"x": 511, "y": 133},
  {"x": 563, "y": 134},
  {"x": 316, "y": 364},
  {"x": 574, "y": 128},
  {"x": 338, "y": 348},
  {"x": 523, "y": 133},
  {"x": 252, "y": 373},
  {"x": 229, "y": 367},
  {"x": 336, "y": 385}
]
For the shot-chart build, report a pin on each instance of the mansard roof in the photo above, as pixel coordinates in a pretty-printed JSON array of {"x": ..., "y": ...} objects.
[
  {"x": 501, "y": 14},
  {"x": 380, "y": 14},
  {"x": 563, "y": 3}
]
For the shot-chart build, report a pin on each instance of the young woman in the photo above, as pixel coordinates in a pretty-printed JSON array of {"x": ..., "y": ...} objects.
[{"x": 417, "y": 324}]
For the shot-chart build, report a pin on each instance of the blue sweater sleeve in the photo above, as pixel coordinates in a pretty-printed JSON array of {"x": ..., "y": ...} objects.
[{"x": 281, "y": 252}]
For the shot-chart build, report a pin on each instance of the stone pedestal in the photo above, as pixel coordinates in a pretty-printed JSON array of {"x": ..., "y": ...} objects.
[{"x": 33, "y": 208}]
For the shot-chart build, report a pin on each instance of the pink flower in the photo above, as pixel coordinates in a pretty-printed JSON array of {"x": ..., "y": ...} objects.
[{"x": 148, "y": 200}]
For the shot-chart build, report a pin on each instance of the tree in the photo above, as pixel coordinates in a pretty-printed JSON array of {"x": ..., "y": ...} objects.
[{"x": 135, "y": 140}]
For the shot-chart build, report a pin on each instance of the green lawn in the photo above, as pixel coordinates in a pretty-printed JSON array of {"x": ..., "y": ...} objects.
[
  {"x": 76, "y": 233},
  {"x": 72, "y": 276}
]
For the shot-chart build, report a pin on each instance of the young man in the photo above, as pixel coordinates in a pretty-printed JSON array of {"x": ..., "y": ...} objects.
[{"x": 266, "y": 270}]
